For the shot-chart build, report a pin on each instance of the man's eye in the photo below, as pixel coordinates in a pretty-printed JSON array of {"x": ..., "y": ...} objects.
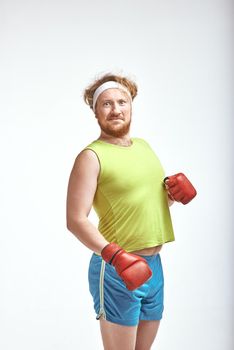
[
  {"x": 122, "y": 102},
  {"x": 106, "y": 103}
]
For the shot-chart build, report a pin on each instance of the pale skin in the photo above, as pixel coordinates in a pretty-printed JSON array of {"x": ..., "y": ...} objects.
[{"x": 113, "y": 112}]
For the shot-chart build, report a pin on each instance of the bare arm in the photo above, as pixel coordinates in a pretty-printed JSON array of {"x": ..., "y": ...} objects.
[
  {"x": 81, "y": 190},
  {"x": 170, "y": 201}
]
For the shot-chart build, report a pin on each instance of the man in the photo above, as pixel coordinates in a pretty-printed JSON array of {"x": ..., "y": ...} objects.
[{"x": 123, "y": 179}]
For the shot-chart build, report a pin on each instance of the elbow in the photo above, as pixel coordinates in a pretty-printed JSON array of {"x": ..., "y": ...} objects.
[
  {"x": 74, "y": 224},
  {"x": 70, "y": 224}
]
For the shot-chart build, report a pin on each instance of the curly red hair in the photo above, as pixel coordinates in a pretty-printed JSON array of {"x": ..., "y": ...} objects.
[{"x": 128, "y": 83}]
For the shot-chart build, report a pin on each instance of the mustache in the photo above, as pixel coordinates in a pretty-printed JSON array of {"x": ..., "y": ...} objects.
[{"x": 115, "y": 116}]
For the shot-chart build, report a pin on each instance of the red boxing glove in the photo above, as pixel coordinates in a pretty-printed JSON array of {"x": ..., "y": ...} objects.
[
  {"x": 132, "y": 268},
  {"x": 180, "y": 188}
]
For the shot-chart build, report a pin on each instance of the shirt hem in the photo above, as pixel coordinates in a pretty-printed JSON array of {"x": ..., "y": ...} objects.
[{"x": 145, "y": 245}]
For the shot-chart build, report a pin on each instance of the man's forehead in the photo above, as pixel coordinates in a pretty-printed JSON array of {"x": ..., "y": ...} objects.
[{"x": 113, "y": 94}]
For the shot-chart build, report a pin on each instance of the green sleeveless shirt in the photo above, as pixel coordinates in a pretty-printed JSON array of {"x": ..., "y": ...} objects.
[{"x": 130, "y": 200}]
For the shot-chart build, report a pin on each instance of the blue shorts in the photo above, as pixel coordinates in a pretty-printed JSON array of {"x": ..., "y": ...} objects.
[{"x": 113, "y": 301}]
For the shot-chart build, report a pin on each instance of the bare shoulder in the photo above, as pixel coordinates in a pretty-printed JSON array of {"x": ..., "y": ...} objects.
[
  {"x": 82, "y": 185},
  {"x": 87, "y": 161}
]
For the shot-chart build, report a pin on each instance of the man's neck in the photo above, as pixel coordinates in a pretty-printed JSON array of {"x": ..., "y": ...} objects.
[{"x": 121, "y": 141}]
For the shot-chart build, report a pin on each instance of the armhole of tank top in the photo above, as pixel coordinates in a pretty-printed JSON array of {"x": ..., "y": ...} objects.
[{"x": 99, "y": 161}]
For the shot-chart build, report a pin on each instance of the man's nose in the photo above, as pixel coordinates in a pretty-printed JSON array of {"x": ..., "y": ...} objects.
[{"x": 116, "y": 108}]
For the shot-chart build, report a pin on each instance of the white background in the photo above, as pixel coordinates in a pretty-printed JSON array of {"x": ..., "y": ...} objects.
[{"x": 180, "y": 54}]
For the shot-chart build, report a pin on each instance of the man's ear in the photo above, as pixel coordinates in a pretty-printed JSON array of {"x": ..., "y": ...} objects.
[{"x": 93, "y": 112}]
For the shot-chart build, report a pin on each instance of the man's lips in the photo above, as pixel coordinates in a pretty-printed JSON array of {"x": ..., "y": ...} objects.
[{"x": 115, "y": 118}]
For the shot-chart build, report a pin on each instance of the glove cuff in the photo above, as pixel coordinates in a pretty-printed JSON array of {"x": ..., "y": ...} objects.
[
  {"x": 109, "y": 251},
  {"x": 165, "y": 179}
]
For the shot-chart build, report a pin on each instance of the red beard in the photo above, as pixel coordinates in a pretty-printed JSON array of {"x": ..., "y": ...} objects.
[{"x": 114, "y": 131}]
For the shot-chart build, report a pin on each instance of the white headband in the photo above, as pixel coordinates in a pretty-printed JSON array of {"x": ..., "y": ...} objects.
[{"x": 108, "y": 85}]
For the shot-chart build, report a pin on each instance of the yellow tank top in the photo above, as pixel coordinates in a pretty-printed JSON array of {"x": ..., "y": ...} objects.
[{"x": 130, "y": 200}]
